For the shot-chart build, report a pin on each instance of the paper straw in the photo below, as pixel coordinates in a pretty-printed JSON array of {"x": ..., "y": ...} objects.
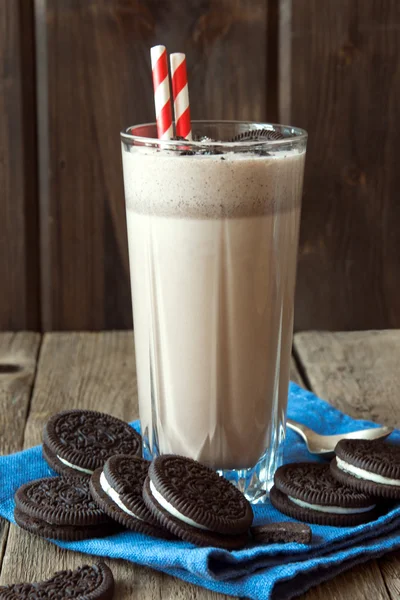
[
  {"x": 180, "y": 91},
  {"x": 162, "y": 101}
]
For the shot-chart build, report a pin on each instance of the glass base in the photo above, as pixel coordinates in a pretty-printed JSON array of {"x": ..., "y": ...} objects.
[
  {"x": 146, "y": 447},
  {"x": 256, "y": 482},
  {"x": 251, "y": 482}
]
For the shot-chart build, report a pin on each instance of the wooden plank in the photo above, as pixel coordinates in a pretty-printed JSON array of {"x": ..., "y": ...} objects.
[
  {"x": 345, "y": 90},
  {"x": 18, "y": 355},
  {"x": 357, "y": 373},
  {"x": 216, "y": 35},
  {"x": 94, "y": 371},
  {"x": 85, "y": 276},
  {"x": 390, "y": 567},
  {"x": 19, "y": 256},
  {"x": 295, "y": 373},
  {"x": 364, "y": 581}
]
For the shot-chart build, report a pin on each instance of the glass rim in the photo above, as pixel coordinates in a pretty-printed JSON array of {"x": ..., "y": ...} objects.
[{"x": 299, "y": 135}]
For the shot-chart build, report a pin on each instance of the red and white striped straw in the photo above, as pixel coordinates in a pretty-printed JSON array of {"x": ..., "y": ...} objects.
[
  {"x": 162, "y": 100},
  {"x": 180, "y": 91}
]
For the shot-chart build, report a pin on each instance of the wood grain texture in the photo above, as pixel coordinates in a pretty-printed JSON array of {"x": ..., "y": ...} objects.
[
  {"x": 390, "y": 567},
  {"x": 18, "y": 355},
  {"x": 358, "y": 373},
  {"x": 295, "y": 373},
  {"x": 345, "y": 90},
  {"x": 19, "y": 251},
  {"x": 97, "y": 371},
  {"x": 94, "y": 371},
  {"x": 359, "y": 583},
  {"x": 94, "y": 78}
]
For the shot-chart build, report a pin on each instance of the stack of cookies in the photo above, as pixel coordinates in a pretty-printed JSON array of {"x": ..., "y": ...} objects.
[
  {"x": 371, "y": 467},
  {"x": 75, "y": 443},
  {"x": 105, "y": 486},
  {"x": 353, "y": 489}
]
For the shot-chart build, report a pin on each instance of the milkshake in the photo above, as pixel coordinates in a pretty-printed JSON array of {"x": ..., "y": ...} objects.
[{"x": 212, "y": 249}]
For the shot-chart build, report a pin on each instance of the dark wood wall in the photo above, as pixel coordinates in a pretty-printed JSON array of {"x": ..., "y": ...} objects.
[
  {"x": 345, "y": 90},
  {"x": 19, "y": 252},
  {"x": 74, "y": 72}
]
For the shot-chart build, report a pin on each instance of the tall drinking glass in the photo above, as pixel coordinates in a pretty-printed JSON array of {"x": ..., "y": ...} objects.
[{"x": 213, "y": 234}]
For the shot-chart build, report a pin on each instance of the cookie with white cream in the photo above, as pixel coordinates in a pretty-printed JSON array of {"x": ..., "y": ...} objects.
[
  {"x": 196, "y": 504},
  {"x": 117, "y": 490},
  {"x": 77, "y": 442},
  {"x": 309, "y": 492},
  {"x": 371, "y": 466},
  {"x": 61, "y": 508}
]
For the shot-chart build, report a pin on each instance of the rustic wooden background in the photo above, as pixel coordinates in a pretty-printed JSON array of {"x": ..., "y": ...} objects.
[{"x": 74, "y": 72}]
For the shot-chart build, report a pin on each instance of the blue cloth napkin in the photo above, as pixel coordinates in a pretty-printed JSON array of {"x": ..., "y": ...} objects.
[{"x": 276, "y": 571}]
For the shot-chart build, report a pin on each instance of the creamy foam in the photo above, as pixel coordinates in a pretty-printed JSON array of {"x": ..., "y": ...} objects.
[
  {"x": 213, "y": 257},
  {"x": 232, "y": 185}
]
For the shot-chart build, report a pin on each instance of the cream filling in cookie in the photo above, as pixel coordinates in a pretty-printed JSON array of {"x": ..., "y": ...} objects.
[
  {"x": 363, "y": 474},
  {"x": 115, "y": 497},
  {"x": 172, "y": 510},
  {"x": 81, "y": 469},
  {"x": 337, "y": 510}
]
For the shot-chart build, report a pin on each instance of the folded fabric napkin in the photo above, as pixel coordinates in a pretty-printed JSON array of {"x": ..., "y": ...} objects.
[{"x": 276, "y": 571}]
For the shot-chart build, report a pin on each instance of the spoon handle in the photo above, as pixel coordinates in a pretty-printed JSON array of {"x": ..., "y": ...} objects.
[{"x": 299, "y": 428}]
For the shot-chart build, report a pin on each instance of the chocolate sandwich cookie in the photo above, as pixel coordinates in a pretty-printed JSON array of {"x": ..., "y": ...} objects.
[
  {"x": 282, "y": 533},
  {"x": 117, "y": 489},
  {"x": 94, "y": 582},
  {"x": 258, "y": 135},
  {"x": 371, "y": 466},
  {"x": 196, "y": 504},
  {"x": 309, "y": 492},
  {"x": 77, "y": 442},
  {"x": 61, "y": 508}
]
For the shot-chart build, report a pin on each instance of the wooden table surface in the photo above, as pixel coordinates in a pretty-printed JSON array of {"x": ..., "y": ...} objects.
[{"x": 357, "y": 372}]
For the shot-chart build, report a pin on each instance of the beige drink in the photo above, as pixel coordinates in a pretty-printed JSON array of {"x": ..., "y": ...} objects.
[{"x": 212, "y": 244}]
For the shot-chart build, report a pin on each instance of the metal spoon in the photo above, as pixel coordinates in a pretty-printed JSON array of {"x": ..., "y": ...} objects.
[{"x": 324, "y": 445}]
